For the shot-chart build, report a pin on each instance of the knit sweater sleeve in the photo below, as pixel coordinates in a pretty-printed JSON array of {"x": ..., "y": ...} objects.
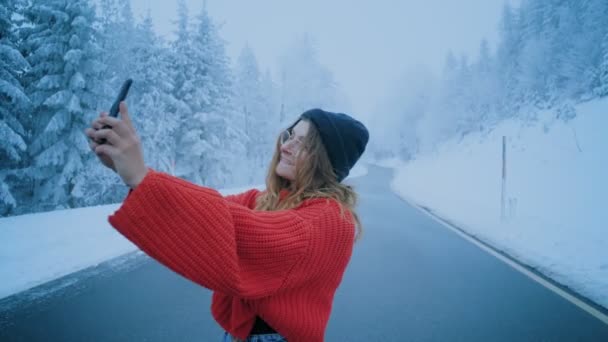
[
  {"x": 246, "y": 198},
  {"x": 215, "y": 242}
]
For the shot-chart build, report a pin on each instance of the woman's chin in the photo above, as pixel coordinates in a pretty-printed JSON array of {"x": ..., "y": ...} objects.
[{"x": 281, "y": 172}]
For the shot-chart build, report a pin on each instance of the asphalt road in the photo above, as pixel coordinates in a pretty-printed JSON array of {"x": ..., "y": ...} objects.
[{"x": 410, "y": 279}]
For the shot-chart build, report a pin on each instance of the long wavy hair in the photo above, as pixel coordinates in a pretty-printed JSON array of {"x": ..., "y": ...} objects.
[{"x": 314, "y": 178}]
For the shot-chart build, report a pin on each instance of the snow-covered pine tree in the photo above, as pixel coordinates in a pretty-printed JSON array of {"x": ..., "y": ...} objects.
[
  {"x": 305, "y": 83},
  {"x": 149, "y": 101},
  {"x": 14, "y": 110},
  {"x": 116, "y": 35},
  {"x": 183, "y": 64},
  {"x": 260, "y": 125},
  {"x": 248, "y": 89},
  {"x": 459, "y": 116},
  {"x": 211, "y": 145},
  {"x": 152, "y": 99},
  {"x": 62, "y": 48},
  {"x": 182, "y": 71},
  {"x": 602, "y": 89},
  {"x": 564, "y": 49},
  {"x": 596, "y": 22},
  {"x": 508, "y": 62},
  {"x": 214, "y": 67},
  {"x": 483, "y": 89},
  {"x": 534, "y": 61},
  {"x": 271, "y": 117},
  {"x": 594, "y": 19},
  {"x": 221, "y": 124},
  {"x": 271, "y": 97},
  {"x": 117, "y": 28},
  {"x": 438, "y": 122}
]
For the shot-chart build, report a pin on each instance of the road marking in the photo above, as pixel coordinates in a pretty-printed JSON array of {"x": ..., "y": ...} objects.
[{"x": 567, "y": 296}]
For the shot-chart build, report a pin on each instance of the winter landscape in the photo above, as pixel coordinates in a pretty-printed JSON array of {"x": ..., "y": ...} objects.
[{"x": 495, "y": 124}]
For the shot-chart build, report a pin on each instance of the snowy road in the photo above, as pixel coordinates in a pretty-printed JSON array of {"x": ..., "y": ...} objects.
[{"x": 410, "y": 279}]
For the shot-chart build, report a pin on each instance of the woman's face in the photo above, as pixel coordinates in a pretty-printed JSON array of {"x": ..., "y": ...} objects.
[{"x": 292, "y": 151}]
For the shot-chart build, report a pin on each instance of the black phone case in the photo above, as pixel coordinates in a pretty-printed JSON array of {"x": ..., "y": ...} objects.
[{"x": 122, "y": 95}]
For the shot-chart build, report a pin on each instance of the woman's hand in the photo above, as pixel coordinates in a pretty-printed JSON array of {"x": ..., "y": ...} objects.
[
  {"x": 122, "y": 151},
  {"x": 105, "y": 159}
]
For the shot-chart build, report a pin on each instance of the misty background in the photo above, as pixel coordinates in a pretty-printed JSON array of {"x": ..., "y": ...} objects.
[{"x": 216, "y": 81}]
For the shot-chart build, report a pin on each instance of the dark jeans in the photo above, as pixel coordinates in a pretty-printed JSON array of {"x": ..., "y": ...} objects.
[{"x": 255, "y": 338}]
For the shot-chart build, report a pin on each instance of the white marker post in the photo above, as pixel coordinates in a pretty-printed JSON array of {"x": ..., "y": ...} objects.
[{"x": 504, "y": 178}]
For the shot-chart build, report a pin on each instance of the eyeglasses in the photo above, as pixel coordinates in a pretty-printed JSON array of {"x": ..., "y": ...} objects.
[{"x": 288, "y": 135}]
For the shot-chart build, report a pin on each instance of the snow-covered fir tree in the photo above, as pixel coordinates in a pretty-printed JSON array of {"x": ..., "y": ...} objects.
[
  {"x": 508, "y": 67},
  {"x": 182, "y": 102},
  {"x": 450, "y": 114},
  {"x": 248, "y": 91},
  {"x": 304, "y": 82},
  {"x": 602, "y": 88},
  {"x": 62, "y": 48},
  {"x": 114, "y": 29},
  {"x": 150, "y": 102},
  {"x": 534, "y": 64},
  {"x": 484, "y": 89},
  {"x": 183, "y": 65},
  {"x": 595, "y": 29},
  {"x": 254, "y": 101},
  {"x": 152, "y": 99},
  {"x": 270, "y": 93},
  {"x": 117, "y": 29},
  {"x": 211, "y": 142},
  {"x": 15, "y": 108}
]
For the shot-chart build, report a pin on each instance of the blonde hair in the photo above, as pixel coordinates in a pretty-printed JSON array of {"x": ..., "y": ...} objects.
[{"x": 314, "y": 178}]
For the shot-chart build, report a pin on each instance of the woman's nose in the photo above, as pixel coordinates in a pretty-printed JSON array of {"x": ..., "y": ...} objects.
[
  {"x": 285, "y": 149},
  {"x": 288, "y": 147}
]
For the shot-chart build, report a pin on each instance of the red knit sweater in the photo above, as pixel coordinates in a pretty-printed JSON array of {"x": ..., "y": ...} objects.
[{"x": 283, "y": 266}]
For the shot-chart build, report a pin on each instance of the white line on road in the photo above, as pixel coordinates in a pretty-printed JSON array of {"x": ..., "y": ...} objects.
[{"x": 572, "y": 299}]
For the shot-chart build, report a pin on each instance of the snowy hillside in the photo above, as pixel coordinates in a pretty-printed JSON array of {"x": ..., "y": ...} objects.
[{"x": 556, "y": 187}]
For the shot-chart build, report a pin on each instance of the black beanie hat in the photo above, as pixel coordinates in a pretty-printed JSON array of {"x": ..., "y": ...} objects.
[{"x": 344, "y": 138}]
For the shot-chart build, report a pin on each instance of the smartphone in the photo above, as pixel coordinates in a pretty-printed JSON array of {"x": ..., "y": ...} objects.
[{"x": 122, "y": 95}]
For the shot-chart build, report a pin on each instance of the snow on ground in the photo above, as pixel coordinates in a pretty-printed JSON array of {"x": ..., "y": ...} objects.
[
  {"x": 41, "y": 247},
  {"x": 556, "y": 188}
]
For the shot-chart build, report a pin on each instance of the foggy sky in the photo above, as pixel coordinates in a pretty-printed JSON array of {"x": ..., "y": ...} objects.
[{"x": 366, "y": 44}]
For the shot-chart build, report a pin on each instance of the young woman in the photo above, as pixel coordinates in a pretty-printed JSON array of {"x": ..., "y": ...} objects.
[{"x": 273, "y": 259}]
